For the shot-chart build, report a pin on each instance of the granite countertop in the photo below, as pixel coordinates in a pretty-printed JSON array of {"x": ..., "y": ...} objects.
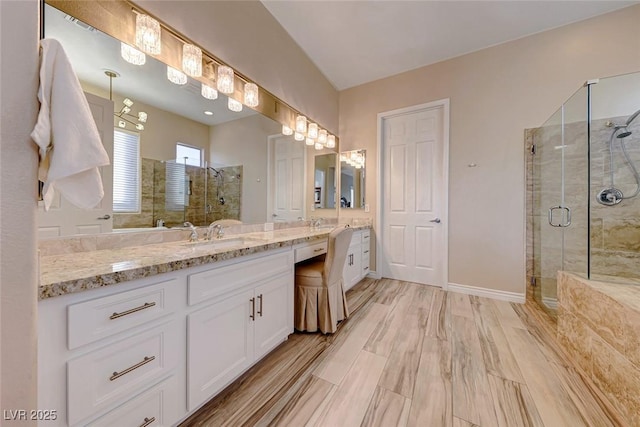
[{"x": 76, "y": 272}]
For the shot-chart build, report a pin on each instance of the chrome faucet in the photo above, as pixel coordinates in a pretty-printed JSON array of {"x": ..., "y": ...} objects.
[
  {"x": 194, "y": 232},
  {"x": 315, "y": 223},
  {"x": 219, "y": 231}
]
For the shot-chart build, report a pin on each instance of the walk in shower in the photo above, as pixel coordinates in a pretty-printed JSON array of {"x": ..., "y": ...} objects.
[{"x": 583, "y": 189}]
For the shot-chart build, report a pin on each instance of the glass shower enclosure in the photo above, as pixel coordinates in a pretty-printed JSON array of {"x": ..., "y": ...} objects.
[{"x": 583, "y": 186}]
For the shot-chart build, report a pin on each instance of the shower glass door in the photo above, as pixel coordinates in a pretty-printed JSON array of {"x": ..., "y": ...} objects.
[{"x": 559, "y": 214}]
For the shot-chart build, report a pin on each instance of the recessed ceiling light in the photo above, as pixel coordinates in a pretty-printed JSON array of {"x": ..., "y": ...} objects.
[{"x": 209, "y": 113}]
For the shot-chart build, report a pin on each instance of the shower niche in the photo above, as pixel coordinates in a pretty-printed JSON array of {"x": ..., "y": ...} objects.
[{"x": 583, "y": 189}]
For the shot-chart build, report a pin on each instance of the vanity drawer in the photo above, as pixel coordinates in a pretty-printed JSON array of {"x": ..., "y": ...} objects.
[
  {"x": 366, "y": 237},
  {"x": 222, "y": 280},
  {"x": 99, "y": 318},
  {"x": 309, "y": 251},
  {"x": 158, "y": 406},
  {"x": 112, "y": 374}
]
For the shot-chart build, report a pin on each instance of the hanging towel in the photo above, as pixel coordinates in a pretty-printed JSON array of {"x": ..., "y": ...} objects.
[{"x": 70, "y": 147}]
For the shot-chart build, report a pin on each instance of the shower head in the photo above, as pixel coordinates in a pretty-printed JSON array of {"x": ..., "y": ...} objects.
[
  {"x": 631, "y": 118},
  {"x": 624, "y": 134}
]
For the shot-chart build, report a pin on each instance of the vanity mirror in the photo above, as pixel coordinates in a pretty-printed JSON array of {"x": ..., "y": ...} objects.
[
  {"x": 325, "y": 180},
  {"x": 231, "y": 176},
  {"x": 352, "y": 179}
]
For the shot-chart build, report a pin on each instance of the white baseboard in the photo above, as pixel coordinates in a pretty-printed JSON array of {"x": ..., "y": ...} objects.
[
  {"x": 487, "y": 293},
  {"x": 551, "y": 303},
  {"x": 374, "y": 275}
]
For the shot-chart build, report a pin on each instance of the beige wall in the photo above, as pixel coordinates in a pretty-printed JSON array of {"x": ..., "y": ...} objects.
[
  {"x": 245, "y": 35},
  {"x": 244, "y": 142},
  {"x": 495, "y": 94},
  {"x": 18, "y": 190},
  {"x": 162, "y": 130}
]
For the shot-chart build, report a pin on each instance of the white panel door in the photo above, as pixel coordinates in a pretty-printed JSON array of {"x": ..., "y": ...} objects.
[
  {"x": 63, "y": 218},
  {"x": 286, "y": 201},
  {"x": 272, "y": 324},
  {"x": 412, "y": 231}
]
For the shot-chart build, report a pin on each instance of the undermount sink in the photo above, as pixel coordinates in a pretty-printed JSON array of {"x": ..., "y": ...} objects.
[{"x": 223, "y": 243}]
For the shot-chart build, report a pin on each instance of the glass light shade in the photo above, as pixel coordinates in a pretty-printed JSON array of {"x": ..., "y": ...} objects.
[
  {"x": 322, "y": 136},
  {"x": 318, "y": 146},
  {"x": 192, "y": 60},
  {"x": 234, "y": 105},
  {"x": 176, "y": 76},
  {"x": 209, "y": 92},
  {"x": 140, "y": 126},
  {"x": 126, "y": 110},
  {"x": 331, "y": 141},
  {"x": 301, "y": 124},
  {"x": 148, "y": 34},
  {"x": 127, "y": 102},
  {"x": 225, "y": 79},
  {"x": 132, "y": 55},
  {"x": 358, "y": 166},
  {"x": 122, "y": 124},
  {"x": 312, "y": 131},
  {"x": 298, "y": 136},
  {"x": 286, "y": 130},
  {"x": 142, "y": 117},
  {"x": 309, "y": 141},
  {"x": 343, "y": 158},
  {"x": 251, "y": 95}
]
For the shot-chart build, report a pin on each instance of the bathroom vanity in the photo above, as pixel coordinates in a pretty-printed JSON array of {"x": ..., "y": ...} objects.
[{"x": 145, "y": 335}]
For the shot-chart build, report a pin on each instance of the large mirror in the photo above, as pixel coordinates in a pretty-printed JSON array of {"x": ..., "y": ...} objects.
[
  {"x": 352, "y": 179},
  {"x": 193, "y": 158},
  {"x": 325, "y": 180}
]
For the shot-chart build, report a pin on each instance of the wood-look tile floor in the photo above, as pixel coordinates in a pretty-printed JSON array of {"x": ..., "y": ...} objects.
[{"x": 413, "y": 355}]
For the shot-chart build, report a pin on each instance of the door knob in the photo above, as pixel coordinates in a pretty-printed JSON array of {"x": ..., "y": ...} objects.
[
  {"x": 437, "y": 220},
  {"x": 104, "y": 217}
]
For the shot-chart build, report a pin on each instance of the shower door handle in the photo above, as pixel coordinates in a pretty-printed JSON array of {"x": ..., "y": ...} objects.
[{"x": 560, "y": 224}]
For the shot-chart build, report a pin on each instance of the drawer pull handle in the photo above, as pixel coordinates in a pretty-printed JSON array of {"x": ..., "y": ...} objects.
[
  {"x": 252, "y": 316},
  {"x": 318, "y": 250},
  {"x": 366, "y": 252},
  {"x": 260, "y": 309},
  {"x": 148, "y": 421},
  {"x": 146, "y": 360},
  {"x": 133, "y": 310},
  {"x": 366, "y": 268}
]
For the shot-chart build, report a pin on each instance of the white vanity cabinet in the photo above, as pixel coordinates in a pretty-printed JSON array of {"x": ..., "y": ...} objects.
[
  {"x": 356, "y": 266},
  {"x": 246, "y": 312}
]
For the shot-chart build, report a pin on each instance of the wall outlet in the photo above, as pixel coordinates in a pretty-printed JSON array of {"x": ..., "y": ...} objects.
[
  {"x": 268, "y": 226},
  {"x": 366, "y": 207},
  {"x": 313, "y": 208}
]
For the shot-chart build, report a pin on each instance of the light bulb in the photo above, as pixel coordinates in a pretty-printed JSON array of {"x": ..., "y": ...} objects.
[
  {"x": 298, "y": 136},
  {"x": 301, "y": 124},
  {"x": 312, "y": 131},
  {"x": 225, "y": 79},
  {"x": 309, "y": 141},
  {"x": 331, "y": 141},
  {"x": 176, "y": 76},
  {"x": 142, "y": 117},
  {"x": 209, "y": 92},
  {"x": 251, "y": 95},
  {"x": 286, "y": 130},
  {"x": 132, "y": 55},
  {"x": 148, "y": 34},
  {"x": 192, "y": 60},
  {"x": 234, "y": 105}
]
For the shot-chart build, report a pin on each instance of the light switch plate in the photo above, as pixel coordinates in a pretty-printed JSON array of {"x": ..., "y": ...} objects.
[{"x": 366, "y": 207}]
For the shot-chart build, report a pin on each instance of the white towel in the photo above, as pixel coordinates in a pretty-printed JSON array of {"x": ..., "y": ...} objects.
[{"x": 66, "y": 133}]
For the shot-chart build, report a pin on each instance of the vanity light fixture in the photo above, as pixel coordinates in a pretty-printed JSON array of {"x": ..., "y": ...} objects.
[
  {"x": 251, "y": 95},
  {"x": 176, "y": 76},
  {"x": 234, "y": 105},
  {"x": 192, "y": 60},
  {"x": 298, "y": 136},
  {"x": 301, "y": 124},
  {"x": 124, "y": 115},
  {"x": 209, "y": 92},
  {"x": 225, "y": 79},
  {"x": 132, "y": 55},
  {"x": 331, "y": 141},
  {"x": 148, "y": 34},
  {"x": 322, "y": 137},
  {"x": 309, "y": 141},
  {"x": 286, "y": 130},
  {"x": 318, "y": 146},
  {"x": 312, "y": 131}
]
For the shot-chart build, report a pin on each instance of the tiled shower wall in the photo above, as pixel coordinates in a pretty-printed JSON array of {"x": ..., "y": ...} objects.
[
  {"x": 615, "y": 230},
  {"x": 223, "y": 198}
]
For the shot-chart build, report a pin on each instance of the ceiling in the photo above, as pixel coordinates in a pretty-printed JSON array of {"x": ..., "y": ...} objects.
[
  {"x": 354, "y": 42},
  {"x": 91, "y": 52}
]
